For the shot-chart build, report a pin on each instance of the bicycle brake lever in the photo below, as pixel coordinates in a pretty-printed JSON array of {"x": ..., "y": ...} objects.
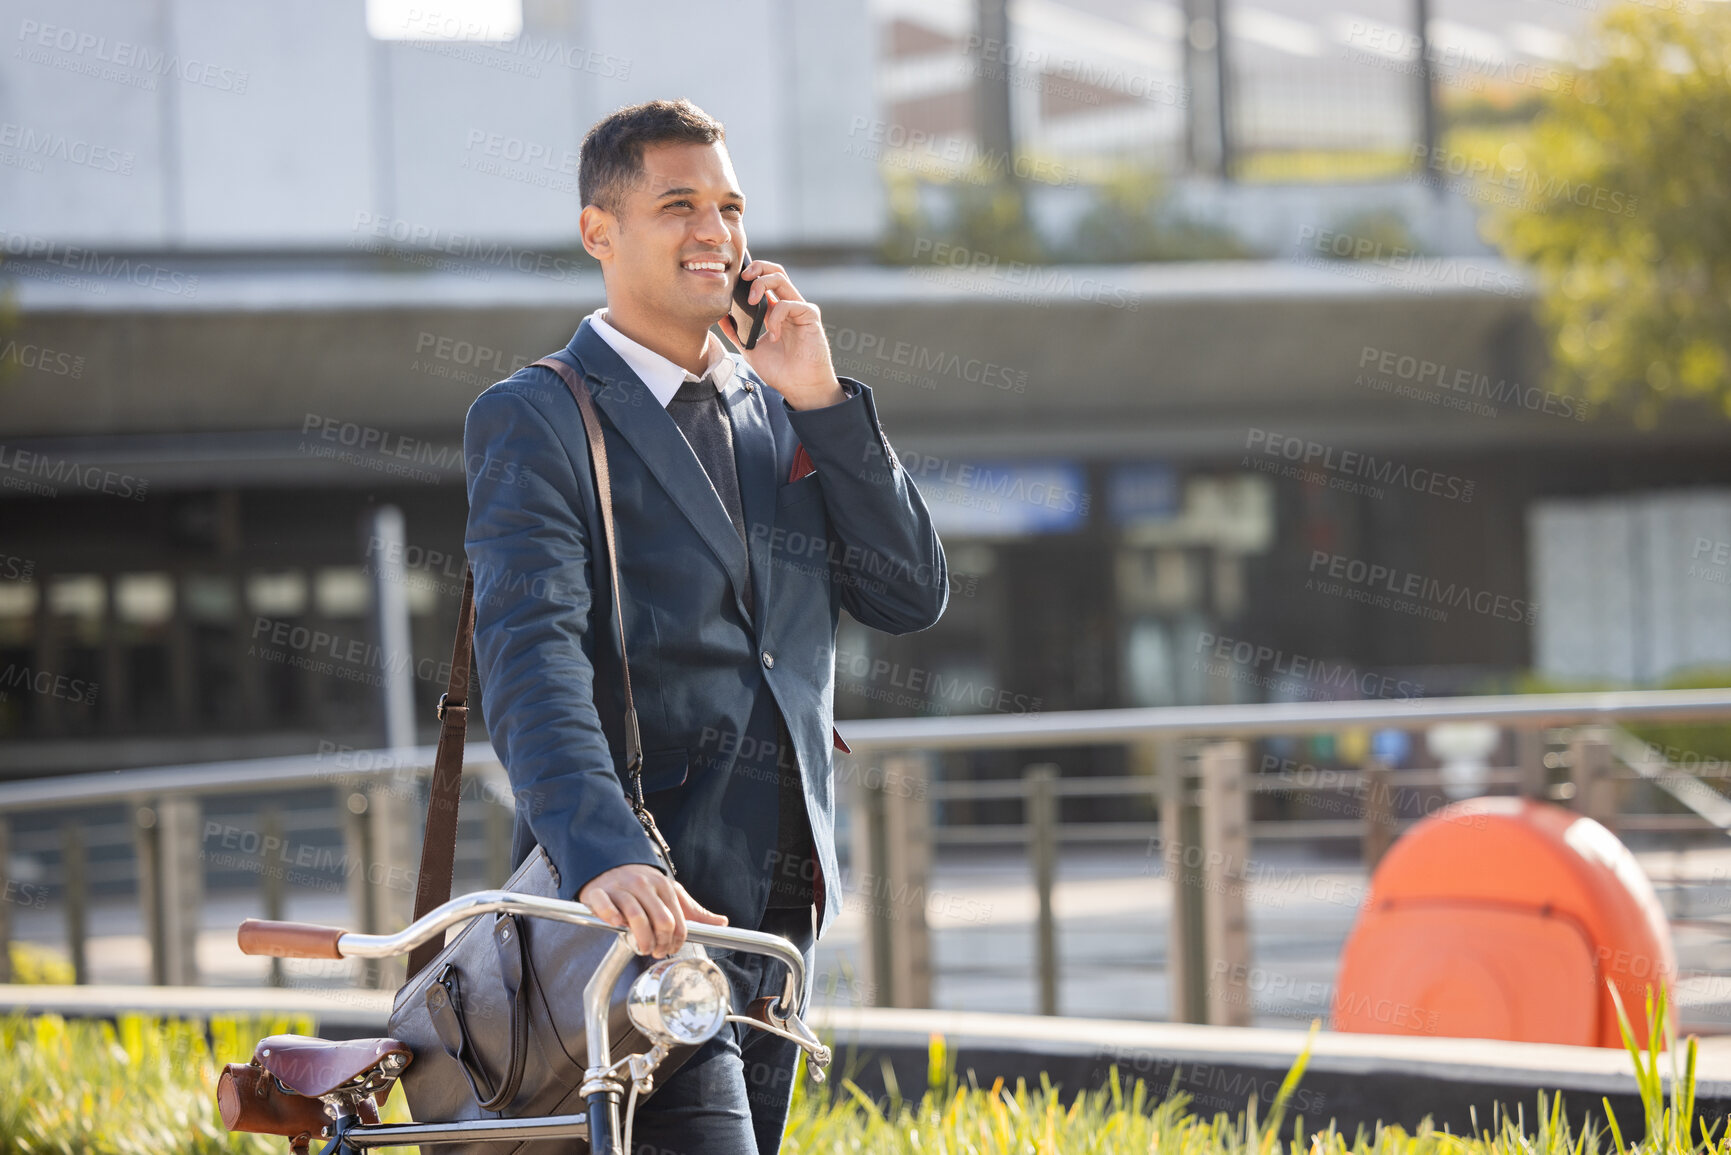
[{"x": 761, "y": 1015}]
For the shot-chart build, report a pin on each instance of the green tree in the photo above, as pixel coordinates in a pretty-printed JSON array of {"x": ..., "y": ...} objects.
[
  {"x": 987, "y": 217},
  {"x": 1622, "y": 210},
  {"x": 1131, "y": 219}
]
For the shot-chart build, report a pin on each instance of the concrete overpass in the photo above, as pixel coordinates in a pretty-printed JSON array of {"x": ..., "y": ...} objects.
[{"x": 216, "y": 384}]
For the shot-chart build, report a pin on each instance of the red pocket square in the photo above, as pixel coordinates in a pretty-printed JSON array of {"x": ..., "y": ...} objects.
[
  {"x": 839, "y": 744},
  {"x": 801, "y": 465}
]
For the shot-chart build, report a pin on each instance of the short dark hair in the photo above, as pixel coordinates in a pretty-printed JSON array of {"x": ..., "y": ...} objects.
[{"x": 611, "y": 157}]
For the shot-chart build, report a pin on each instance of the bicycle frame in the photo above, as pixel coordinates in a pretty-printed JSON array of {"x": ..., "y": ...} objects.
[{"x": 604, "y": 1084}]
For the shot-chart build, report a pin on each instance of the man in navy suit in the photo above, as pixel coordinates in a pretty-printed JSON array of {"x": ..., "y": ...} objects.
[{"x": 755, "y": 496}]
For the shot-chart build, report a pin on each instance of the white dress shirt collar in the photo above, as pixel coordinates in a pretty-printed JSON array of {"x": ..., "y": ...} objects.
[{"x": 661, "y": 375}]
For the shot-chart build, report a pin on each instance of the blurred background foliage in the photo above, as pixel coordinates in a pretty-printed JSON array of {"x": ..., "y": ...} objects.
[
  {"x": 1622, "y": 211},
  {"x": 1611, "y": 191}
]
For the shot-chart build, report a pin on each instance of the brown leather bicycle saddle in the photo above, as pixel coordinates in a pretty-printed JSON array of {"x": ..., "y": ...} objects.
[{"x": 317, "y": 1067}]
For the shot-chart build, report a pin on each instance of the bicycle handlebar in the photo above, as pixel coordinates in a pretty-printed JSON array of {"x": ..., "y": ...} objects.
[
  {"x": 260, "y": 936},
  {"x": 310, "y": 940}
]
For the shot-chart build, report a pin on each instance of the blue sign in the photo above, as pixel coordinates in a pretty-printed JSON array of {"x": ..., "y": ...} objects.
[
  {"x": 1391, "y": 747},
  {"x": 1143, "y": 491},
  {"x": 1000, "y": 498}
]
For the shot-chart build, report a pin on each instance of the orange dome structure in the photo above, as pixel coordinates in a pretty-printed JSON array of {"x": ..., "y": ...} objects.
[{"x": 1503, "y": 918}]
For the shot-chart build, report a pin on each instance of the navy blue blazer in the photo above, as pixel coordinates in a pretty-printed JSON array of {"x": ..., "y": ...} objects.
[{"x": 853, "y": 532}]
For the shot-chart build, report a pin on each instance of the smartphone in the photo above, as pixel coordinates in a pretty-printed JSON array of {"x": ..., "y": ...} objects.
[{"x": 747, "y": 317}]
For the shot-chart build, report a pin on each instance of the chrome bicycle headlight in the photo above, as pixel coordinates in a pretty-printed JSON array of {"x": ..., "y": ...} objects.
[{"x": 680, "y": 1000}]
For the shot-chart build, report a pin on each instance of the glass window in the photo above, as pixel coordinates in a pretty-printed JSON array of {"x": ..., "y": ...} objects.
[
  {"x": 209, "y": 597},
  {"x": 17, "y": 612},
  {"x": 78, "y": 603},
  {"x": 144, "y": 599},
  {"x": 342, "y": 592},
  {"x": 211, "y": 606},
  {"x": 279, "y": 599},
  {"x": 144, "y": 607},
  {"x": 422, "y": 596},
  {"x": 1149, "y": 679},
  {"x": 18, "y": 600},
  {"x": 277, "y": 595}
]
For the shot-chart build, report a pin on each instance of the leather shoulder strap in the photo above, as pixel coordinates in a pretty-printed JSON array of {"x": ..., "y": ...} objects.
[
  {"x": 604, "y": 492},
  {"x": 439, "y": 843}
]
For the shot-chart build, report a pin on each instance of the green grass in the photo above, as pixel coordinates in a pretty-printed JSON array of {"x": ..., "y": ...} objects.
[
  {"x": 1667, "y": 1123},
  {"x": 34, "y": 964},
  {"x": 142, "y": 1086},
  {"x": 146, "y": 1086},
  {"x": 956, "y": 1119}
]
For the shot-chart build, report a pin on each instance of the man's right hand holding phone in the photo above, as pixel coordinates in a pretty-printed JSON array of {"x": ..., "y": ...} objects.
[{"x": 798, "y": 368}]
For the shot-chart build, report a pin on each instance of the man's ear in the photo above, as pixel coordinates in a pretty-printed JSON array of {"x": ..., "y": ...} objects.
[{"x": 596, "y": 226}]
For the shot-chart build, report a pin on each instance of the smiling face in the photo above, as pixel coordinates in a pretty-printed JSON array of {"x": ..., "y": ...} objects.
[{"x": 671, "y": 253}]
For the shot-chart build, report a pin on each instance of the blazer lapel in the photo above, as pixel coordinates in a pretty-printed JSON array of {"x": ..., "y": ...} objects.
[
  {"x": 653, "y": 434},
  {"x": 754, "y": 458}
]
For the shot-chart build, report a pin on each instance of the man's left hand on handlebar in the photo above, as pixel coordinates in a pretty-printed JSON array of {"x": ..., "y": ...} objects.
[{"x": 652, "y": 905}]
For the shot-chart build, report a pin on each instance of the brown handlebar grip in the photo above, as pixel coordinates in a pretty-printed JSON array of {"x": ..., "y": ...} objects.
[{"x": 289, "y": 939}]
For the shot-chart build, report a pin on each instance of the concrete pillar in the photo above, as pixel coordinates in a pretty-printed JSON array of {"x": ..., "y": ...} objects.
[
  {"x": 1226, "y": 861},
  {"x": 1590, "y": 770},
  {"x": 271, "y": 881},
  {"x": 894, "y": 876},
  {"x": 1380, "y": 812},
  {"x": 76, "y": 876},
  {"x": 1181, "y": 840},
  {"x": 5, "y": 908},
  {"x": 171, "y": 885},
  {"x": 385, "y": 536},
  {"x": 1042, "y": 808},
  {"x": 1535, "y": 776}
]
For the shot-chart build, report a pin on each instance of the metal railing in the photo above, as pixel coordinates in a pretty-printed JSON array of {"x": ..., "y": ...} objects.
[
  {"x": 1193, "y": 763},
  {"x": 358, "y": 842},
  {"x": 1190, "y": 764}
]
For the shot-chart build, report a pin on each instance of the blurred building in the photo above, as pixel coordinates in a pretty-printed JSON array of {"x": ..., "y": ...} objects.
[{"x": 260, "y": 261}]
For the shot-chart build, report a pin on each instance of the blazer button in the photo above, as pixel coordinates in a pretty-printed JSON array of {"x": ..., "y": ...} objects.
[{"x": 769, "y": 659}]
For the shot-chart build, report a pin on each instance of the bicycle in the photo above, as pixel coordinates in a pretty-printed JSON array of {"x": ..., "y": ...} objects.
[{"x": 681, "y": 1000}]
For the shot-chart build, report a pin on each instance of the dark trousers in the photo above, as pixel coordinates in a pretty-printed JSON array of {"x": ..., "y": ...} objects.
[{"x": 731, "y": 1097}]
